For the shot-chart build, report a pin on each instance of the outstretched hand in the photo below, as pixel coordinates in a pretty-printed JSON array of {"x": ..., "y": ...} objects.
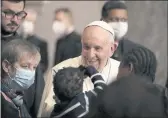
[{"x": 90, "y": 70}]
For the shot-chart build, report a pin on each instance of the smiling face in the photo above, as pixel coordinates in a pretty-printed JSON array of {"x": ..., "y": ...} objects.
[{"x": 96, "y": 47}]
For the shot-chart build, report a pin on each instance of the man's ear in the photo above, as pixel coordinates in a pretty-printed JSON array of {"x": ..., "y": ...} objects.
[
  {"x": 116, "y": 43},
  {"x": 113, "y": 48},
  {"x": 5, "y": 66},
  {"x": 111, "y": 51}
]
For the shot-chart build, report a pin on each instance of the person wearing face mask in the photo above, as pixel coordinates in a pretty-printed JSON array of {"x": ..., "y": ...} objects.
[
  {"x": 27, "y": 33},
  {"x": 116, "y": 15},
  {"x": 68, "y": 43},
  {"x": 12, "y": 16},
  {"x": 18, "y": 63}
]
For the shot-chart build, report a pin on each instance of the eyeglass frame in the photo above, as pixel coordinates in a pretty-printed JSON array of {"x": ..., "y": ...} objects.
[{"x": 15, "y": 14}]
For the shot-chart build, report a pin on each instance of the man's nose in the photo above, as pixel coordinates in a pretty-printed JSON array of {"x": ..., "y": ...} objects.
[
  {"x": 91, "y": 53},
  {"x": 15, "y": 19}
]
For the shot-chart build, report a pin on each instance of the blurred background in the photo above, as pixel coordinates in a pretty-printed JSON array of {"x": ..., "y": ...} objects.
[{"x": 147, "y": 25}]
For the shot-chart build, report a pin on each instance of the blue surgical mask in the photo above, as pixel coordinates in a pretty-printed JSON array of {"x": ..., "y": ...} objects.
[{"x": 24, "y": 77}]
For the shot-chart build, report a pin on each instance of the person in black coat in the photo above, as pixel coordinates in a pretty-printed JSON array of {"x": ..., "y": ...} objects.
[
  {"x": 19, "y": 62},
  {"x": 134, "y": 94},
  {"x": 116, "y": 15},
  {"x": 35, "y": 90},
  {"x": 142, "y": 62},
  {"x": 9, "y": 26},
  {"x": 132, "y": 97},
  {"x": 68, "y": 44}
]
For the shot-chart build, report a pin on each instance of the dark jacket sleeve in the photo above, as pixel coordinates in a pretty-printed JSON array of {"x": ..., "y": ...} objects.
[
  {"x": 99, "y": 84},
  {"x": 58, "y": 52}
]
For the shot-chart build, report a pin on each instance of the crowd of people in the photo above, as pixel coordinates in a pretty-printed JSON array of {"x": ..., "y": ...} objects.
[{"x": 98, "y": 74}]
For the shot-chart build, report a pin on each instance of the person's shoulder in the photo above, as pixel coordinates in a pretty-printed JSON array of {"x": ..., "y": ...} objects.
[
  {"x": 72, "y": 62},
  {"x": 76, "y": 35},
  {"x": 114, "y": 62}
]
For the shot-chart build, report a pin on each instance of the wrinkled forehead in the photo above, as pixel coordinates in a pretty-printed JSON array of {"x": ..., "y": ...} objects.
[
  {"x": 96, "y": 32},
  {"x": 16, "y": 7}
]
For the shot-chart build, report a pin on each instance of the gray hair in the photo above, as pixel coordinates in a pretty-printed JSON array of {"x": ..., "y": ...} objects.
[{"x": 15, "y": 48}]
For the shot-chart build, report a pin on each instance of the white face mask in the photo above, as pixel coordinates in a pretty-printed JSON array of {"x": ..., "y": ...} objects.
[
  {"x": 28, "y": 27},
  {"x": 59, "y": 28},
  {"x": 120, "y": 28}
]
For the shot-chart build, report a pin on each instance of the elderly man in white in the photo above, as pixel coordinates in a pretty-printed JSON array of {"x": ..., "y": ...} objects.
[{"x": 97, "y": 48}]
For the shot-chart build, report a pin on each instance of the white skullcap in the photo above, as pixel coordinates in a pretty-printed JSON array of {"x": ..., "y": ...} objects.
[{"x": 103, "y": 25}]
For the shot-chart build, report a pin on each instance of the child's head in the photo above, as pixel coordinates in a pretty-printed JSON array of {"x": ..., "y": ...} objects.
[
  {"x": 68, "y": 82},
  {"x": 140, "y": 61}
]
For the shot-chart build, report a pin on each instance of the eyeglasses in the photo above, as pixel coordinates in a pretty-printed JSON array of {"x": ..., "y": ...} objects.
[{"x": 9, "y": 14}]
